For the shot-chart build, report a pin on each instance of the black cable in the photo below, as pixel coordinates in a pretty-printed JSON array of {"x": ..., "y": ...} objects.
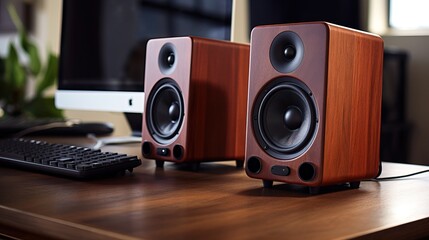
[
  {"x": 100, "y": 142},
  {"x": 400, "y": 176}
]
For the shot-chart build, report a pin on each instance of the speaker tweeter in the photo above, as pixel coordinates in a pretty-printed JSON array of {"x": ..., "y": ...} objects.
[
  {"x": 286, "y": 52},
  {"x": 167, "y": 58}
]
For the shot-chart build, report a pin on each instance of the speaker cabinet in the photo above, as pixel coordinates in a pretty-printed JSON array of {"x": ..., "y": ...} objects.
[
  {"x": 314, "y": 107},
  {"x": 196, "y": 100}
]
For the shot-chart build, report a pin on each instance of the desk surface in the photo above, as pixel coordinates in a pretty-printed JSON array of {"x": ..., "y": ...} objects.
[{"x": 218, "y": 201}]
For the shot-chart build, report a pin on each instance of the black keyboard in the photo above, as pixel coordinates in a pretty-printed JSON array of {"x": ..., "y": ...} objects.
[{"x": 64, "y": 160}]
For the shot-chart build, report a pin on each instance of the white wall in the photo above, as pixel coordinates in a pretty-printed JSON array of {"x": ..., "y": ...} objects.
[
  {"x": 417, "y": 92},
  {"x": 47, "y": 25},
  {"x": 416, "y": 44}
]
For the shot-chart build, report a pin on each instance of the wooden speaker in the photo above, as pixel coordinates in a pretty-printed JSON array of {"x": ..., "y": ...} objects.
[
  {"x": 314, "y": 107},
  {"x": 195, "y": 101}
]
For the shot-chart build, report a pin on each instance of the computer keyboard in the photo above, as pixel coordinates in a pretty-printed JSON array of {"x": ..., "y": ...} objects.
[{"x": 64, "y": 160}]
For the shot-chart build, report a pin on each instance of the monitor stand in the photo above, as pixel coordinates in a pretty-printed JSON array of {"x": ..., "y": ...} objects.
[{"x": 135, "y": 122}]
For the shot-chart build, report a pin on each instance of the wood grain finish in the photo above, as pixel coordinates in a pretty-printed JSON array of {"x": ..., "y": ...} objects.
[
  {"x": 353, "y": 105},
  {"x": 177, "y": 203},
  {"x": 342, "y": 68},
  {"x": 212, "y": 76}
]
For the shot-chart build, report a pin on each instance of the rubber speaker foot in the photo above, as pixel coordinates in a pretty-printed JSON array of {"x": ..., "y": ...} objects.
[
  {"x": 159, "y": 163},
  {"x": 267, "y": 183}
]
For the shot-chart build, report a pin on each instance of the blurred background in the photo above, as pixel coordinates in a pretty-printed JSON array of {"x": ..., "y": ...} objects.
[{"x": 403, "y": 25}]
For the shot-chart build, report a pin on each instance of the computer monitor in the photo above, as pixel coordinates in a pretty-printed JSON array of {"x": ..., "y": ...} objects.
[{"x": 103, "y": 47}]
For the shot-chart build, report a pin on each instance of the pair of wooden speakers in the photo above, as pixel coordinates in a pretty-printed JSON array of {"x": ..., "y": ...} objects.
[{"x": 313, "y": 103}]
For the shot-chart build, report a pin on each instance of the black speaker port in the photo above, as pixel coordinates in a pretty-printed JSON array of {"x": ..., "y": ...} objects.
[
  {"x": 178, "y": 152},
  {"x": 306, "y": 171},
  {"x": 146, "y": 148},
  {"x": 254, "y": 165}
]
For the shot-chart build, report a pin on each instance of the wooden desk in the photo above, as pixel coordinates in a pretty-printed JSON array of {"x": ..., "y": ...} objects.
[{"x": 217, "y": 202}]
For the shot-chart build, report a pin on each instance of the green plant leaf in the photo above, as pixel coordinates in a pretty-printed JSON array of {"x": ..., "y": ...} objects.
[
  {"x": 23, "y": 39},
  {"x": 50, "y": 74},
  {"x": 33, "y": 54},
  {"x": 10, "y": 61},
  {"x": 3, "y": 85},
  {"x": 31, "y": 49},
  {"x": 14, "y": 81},
  {"x": 26, "y": 44},
  {"x": 15, "y": 75},
  {"x": 15, "y": 17},
  {"x": 19, "y": 76},
  {"x": 1, "y": 69},
  {"x": 42, "y": 107}
]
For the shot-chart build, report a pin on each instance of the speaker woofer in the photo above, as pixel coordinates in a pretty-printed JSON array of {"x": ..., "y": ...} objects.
[
  {"x": 164, "y": 113},
  {"x": 285, "y": 118},
  {"x": 286, "y": 52}
]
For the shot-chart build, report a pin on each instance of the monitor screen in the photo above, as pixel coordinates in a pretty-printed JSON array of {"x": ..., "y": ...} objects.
[{"x": 103, "y": 46}]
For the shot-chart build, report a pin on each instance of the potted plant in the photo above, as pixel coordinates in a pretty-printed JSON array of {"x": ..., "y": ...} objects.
[{"x": 16, "y": 97}]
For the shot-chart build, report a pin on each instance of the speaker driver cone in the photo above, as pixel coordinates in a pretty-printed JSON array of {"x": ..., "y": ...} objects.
[
  {"x": 167, "y": 58},
  {"x": 286, "y": 52},
  {"x": 284, "y": 118},
  {"x": 164, "y": 113}
]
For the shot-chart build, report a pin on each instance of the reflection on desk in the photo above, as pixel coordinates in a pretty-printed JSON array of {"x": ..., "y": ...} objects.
[{"x": 217, "y": 202}]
